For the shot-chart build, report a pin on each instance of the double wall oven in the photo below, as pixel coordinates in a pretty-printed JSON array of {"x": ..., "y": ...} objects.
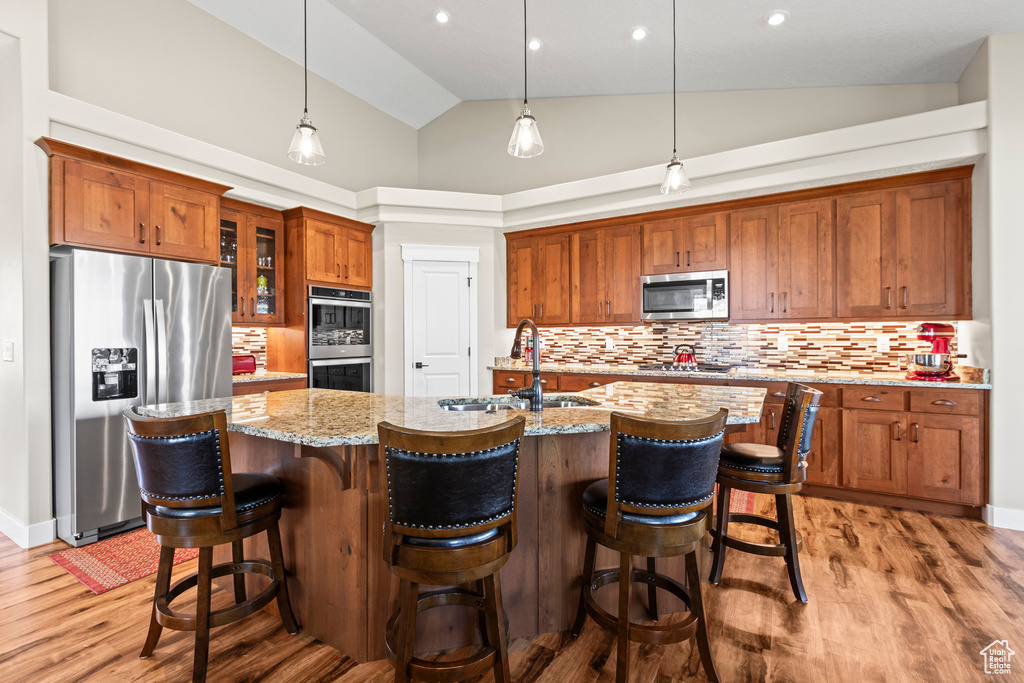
[{"x": 340, "y": 338}]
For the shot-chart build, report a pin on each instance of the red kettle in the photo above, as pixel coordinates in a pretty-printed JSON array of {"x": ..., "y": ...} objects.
[{"x": 684, "y": 355}]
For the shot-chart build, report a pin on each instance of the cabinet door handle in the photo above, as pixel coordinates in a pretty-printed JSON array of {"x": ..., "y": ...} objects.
[
  {"x": 252, "y": 305},
  {"x": 943, "y": 402},
  {"x": 917, "y": 433},
  {"x": 773, "y": 303},
  {"x": 872, "y": 399},
  {"x": 888, "y": 298},
  {"x": 608, "y": 308},
  {"x": 338, "y": 265},
  {"x": 677, "y": 259},
  {"x": 595, "y": 384},
  {"x": 899, "y": 431},
  {"x": 346, "y": 271},
  {"x": 599, "y": 313},
  {"x": 510, "y": 380},
  {"x": 142, "y": 239},
  {"x": 242, "y": 299},
  {"x": 773, "y": 418},
  {"x": 904, "y": 295},
  {"x": 542, "y": 311},
  {"x": 785, "y": 301},
  {"x": 158, "y": 240},
  {"x": 687, "y": 258},
  {"x": 533, "y": 311},
  {"x": 779, "y": 394}
]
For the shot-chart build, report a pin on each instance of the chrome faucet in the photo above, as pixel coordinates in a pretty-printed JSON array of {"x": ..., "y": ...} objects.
[{"x": 532, "y": 393}]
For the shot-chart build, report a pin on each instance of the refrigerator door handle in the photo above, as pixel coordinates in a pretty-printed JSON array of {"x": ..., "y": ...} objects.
[
  {"x": 161, "y": 351},
  {"x": 149, "y": 387}
]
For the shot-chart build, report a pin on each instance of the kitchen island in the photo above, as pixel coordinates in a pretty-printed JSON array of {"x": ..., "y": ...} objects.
[{"x": 323, "y": 446}]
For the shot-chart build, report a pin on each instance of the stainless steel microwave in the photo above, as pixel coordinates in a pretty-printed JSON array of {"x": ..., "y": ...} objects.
[{"x": 686, "y": 296}]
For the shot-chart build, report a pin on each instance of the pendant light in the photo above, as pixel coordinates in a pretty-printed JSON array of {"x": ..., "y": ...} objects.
[
  {"x": 306, "y": 148},
  {"x": 675, "y": 178},
  {"x": 525, "y": 141}
]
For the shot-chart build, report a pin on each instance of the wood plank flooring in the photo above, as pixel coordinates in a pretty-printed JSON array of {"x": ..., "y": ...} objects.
[{"x": 894, "y": 596}]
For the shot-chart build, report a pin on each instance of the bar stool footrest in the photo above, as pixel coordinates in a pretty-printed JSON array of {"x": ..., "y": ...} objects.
[
  {"x": 181, "y": 621},
  {"x": 641, "y": 633},
  {"x": 763, "y": 549},
  {"x": 448, "y": 670}
]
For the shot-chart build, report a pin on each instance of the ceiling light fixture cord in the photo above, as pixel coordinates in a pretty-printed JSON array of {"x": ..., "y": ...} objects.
[
  {"x": 526, "y": 99},
  {"x": 305, "y": 61},
  {"x": 673, "y": 77}
]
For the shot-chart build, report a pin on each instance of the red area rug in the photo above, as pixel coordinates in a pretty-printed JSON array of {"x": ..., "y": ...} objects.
[
  {"x": 741, "y": 502},
  {"x": 116, "y": 561}
]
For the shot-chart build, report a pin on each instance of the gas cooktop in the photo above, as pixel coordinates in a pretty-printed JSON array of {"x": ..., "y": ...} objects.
[{"x": 701, "y": 367}]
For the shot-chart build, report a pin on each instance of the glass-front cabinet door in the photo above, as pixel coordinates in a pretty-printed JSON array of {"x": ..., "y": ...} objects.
[{"x": 252, "y": 246}]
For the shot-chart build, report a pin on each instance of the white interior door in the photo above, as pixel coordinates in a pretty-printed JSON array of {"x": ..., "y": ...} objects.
[{"x": 440, "y": 328}]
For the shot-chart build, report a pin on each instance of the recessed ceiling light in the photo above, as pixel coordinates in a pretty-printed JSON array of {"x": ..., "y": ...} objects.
[
  {"x": 535, "y": 44},
  {"x": 442, "y": 17},
  {"x": 639, "y": 33},
  {"x": 776, "y": 17}
]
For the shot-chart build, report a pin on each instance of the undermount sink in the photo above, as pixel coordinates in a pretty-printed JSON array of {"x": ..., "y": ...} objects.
[{"x": 516, "y": 405}]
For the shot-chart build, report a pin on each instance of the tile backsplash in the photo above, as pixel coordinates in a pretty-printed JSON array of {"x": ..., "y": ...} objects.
[
  {"x": 246, "y": 340},
  {"x": 811, "y": 346}
]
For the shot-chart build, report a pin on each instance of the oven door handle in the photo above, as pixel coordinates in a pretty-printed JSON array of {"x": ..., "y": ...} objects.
[
  {"x": 350, "y": 303},
  {"x": 339, "y": 361}
]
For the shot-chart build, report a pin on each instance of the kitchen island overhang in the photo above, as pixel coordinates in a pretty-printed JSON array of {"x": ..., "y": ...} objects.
[{"x": 341, "y": 589}]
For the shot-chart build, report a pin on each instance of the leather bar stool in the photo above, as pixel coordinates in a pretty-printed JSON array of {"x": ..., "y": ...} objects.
[
  {"x": 450, "y": 520},
  {"x": 192, "y": 499},
  {"x": 779, "y": 470},
  {"x": 654, "y": 503}
]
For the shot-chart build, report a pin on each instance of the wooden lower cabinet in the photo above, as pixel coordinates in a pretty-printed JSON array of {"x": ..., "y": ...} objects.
[
  {"x": 258, "y": 387},
  {"x": 823, "y": 458},
  {"x": 874, "y": 451},
  {"x": 944, "y": 458}
]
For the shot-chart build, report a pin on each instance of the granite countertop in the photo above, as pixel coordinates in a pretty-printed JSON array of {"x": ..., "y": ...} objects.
[
  {"x": 266, "y": 376},
  {"x": 324, "y": 417},
  {"x": 977, "y": 380}
]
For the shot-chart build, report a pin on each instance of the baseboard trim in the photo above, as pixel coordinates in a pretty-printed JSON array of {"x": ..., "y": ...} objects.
[
  {"x": 28, "y": 536},
  {"x": 1004, "y": 518}
]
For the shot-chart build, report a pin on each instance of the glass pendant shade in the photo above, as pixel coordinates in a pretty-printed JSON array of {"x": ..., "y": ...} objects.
[
  {"x": 675, "y": 178},
  {"x": 525, "y": 141},
  {"x": 306, "y": 148}
]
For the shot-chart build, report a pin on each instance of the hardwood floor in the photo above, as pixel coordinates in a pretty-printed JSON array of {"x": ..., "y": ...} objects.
[{"x": 894, "y": 596}]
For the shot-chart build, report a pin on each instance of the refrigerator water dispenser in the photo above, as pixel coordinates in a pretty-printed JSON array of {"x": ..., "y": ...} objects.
[{"x": 115, "y": 374}]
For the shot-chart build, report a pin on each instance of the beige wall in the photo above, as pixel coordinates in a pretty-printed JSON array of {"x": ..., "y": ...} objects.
[
  {"x": 169, "y": 63},
  {"x": 464, "y": 149},
  {"x": 1006, "y": 177},
  {"x": 389, "y": 297},
  {"x": 25, "y": 471}
]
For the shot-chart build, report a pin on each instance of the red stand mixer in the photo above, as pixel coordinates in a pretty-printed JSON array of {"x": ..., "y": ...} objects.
[{"x": 937, "y": 365}]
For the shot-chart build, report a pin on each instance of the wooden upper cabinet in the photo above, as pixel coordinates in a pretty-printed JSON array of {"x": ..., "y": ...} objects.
[
  {"x": 605, "y": 266},
  {"x": 805, "y": 259},
  {"x": 754, "y": 253},
  {"x": 688, "y": 244},
  {"x": 102, "y": 207},
  {"x": 903, "y": 253},
  {"x": 185, "y": 222},
  {"x": 930, "y": 250},
  {"x": 538, "y": 279},
  {"x": 107, "y": 202},
  {"x": 334, "y": 251},
  {"x": 252, "y": 246}
]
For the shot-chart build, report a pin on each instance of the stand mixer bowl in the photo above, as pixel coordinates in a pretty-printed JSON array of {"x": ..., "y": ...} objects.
[{"x": 930, "y": 364}]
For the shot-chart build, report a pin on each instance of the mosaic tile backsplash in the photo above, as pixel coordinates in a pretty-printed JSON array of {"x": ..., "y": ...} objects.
[
  {"x": 811, "y": 346},
  {"x": 246, "y": 340}
]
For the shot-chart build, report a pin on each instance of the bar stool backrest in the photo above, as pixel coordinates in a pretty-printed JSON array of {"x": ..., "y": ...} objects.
[
  {"x": 662, "y": 467},
  {"x": 183, "y": 462},
  {"x": 796, "y": 430},
  {"x": 450, "y": 484}
]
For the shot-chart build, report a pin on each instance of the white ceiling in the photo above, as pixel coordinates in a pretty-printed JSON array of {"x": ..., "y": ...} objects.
[{"x": 396, "y": 56}]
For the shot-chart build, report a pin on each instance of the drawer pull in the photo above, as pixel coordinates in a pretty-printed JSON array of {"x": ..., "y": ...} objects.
[
  {"x": 595, "y": 384},
  {"x": 872, "y": 399},
  {"x": 780, "y": 394},
  {"x": 943, "y": 402},
  {"x": 543, "y": 381},
  {"x": 510, "y": 379}
]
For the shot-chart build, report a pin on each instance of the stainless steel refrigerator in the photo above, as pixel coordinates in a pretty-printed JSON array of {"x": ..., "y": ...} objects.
[{"x": 125, "y": 331}]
